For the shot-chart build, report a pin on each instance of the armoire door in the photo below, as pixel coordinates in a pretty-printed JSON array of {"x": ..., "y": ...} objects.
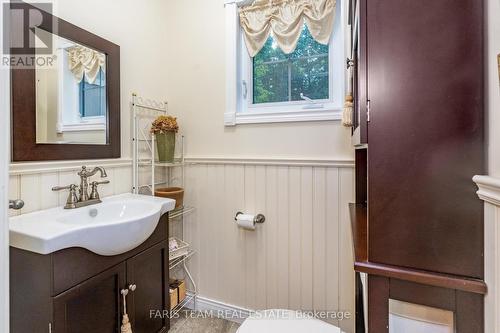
[
  {"x": 94, "y": 306},
  {"x": 147, "y": 273},
  {"x": 425, "y": 87}
]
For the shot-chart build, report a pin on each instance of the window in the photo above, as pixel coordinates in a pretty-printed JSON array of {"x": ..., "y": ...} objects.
[
  {"x": 81, "y": 105},
  {"x": 279, "y": 77},
  {"x": 93, "y": 97},
  {"x": 306, "y": 85}
]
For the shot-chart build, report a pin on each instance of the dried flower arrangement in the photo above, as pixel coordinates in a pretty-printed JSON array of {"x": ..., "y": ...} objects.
[{"x": 164, "y": 124}]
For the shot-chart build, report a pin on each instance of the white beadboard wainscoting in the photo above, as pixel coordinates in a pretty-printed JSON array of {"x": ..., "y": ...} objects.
[
  {"x": 33, "y": 182},
  {"x": 489, "y": 191},
  {"x": 300, "y": 258}
]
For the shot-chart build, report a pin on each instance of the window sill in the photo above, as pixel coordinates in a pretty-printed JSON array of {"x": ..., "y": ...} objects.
[
  {"x": 232, "y": 119},
  {"x": 90, "y": 124},
  {"x": 81, "y": 127}
]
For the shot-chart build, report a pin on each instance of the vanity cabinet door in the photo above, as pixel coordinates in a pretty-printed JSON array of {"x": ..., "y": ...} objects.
[
  {"x": 148, "y": 303},
  {"x": 93, "y": 306}
]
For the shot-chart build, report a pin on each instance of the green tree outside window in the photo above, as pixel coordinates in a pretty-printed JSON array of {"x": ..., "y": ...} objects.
[{"x": 280, "y": 77}]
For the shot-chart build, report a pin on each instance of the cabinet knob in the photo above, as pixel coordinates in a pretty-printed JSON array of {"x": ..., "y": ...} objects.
[{"x": 132, "y": 287}]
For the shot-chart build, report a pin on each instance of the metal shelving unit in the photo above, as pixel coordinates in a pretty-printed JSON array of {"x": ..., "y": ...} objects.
[{"x": 145, "y": 165}]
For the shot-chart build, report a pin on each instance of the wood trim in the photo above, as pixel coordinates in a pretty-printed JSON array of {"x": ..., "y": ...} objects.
[
  {"x": 270, "y": 161},
  {"x": 17, "y": 169},
  {"x": 431, "y": 296},
  {"x": 359, "y": 226},
  {"x": 24, "y": 146},
  {"x": 489, "y": 189},
  {"x": 469, "y": 312},
  {"x": 423, "y": 277},
  {"x": 362, "y": 68},
  {"x": 361, "y": 176},
  {"x": 378, "y": 304}
]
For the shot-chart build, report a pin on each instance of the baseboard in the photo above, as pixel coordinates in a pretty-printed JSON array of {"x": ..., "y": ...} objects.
[{"x": 221, "y": 310}]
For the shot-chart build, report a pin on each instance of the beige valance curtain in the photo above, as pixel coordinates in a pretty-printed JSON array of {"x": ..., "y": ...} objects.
[
  {"x": 85, "y": 61},
  {"x": 284, "y": 19}
]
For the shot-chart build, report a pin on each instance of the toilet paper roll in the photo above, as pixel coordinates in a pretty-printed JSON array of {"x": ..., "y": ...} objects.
[{"x": 246, "y": 221}]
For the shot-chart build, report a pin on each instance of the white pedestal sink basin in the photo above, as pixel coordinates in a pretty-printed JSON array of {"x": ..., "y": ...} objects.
[{"x": 115, "y": 226}]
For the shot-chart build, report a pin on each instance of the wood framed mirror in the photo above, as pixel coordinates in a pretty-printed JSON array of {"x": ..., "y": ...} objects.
[{"x": 66, "y": 103}]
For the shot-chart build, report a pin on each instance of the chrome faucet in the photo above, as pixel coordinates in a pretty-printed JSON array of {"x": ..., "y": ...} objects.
[{"x": 83, "y": 198}]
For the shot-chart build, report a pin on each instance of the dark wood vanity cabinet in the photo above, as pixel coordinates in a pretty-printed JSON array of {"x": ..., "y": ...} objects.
[
  {"x": 417, "y": 221},
  {"x": 149, "y": 272},
  {"x": 93, "y": 306},
  {"x": 76, "y": 291}
]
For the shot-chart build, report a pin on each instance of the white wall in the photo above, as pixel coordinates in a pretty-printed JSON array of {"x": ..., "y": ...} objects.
[
  {"x": 302, "y": 257},
  {"x": 196, "y": 80},
  {"x": 493, "y": 86}
]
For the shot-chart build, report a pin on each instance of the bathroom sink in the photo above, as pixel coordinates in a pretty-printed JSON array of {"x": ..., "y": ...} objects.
[{"x": 115, "y": 226}]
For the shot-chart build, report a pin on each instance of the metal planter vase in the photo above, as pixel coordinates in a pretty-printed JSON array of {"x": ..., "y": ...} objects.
[{"x": 165, "y": 143}]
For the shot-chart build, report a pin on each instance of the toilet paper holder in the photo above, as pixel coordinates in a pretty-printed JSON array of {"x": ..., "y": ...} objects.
[{"x": 259, "y": 218}]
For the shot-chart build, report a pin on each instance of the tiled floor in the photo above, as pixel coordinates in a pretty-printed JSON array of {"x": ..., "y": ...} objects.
[{"x": 194, "y": 322}]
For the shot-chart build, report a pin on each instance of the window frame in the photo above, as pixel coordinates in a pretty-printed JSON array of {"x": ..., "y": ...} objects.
[
  {"x": 83, "y": 88},
  {"x": 329, "y": 104},
  {"x": 241, "y": 110},
  {"x": 71, "y": 120}
]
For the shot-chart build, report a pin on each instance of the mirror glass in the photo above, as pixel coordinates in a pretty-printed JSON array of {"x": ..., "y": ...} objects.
[{"x": 71, "y": 98}]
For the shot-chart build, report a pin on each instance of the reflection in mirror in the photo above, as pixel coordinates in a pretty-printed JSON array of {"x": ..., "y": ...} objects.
[{"x": 71, "y": 99}]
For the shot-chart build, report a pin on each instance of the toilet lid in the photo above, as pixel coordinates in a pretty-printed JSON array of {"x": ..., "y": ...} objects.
[{"x": 276, "y": 321}]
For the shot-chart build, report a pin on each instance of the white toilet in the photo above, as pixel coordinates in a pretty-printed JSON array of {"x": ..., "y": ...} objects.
[{"x": 277, "y": 321}]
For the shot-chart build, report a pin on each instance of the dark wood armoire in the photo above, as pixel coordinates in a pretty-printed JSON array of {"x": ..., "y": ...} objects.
[{"x": 419, "y": 137}]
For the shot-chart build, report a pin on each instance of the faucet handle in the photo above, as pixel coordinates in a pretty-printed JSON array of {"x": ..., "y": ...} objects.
[
  {"x": 69, "y": 187},
  {"x": 94, "y": 195},
  {"x": 72, "y": 197}
]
